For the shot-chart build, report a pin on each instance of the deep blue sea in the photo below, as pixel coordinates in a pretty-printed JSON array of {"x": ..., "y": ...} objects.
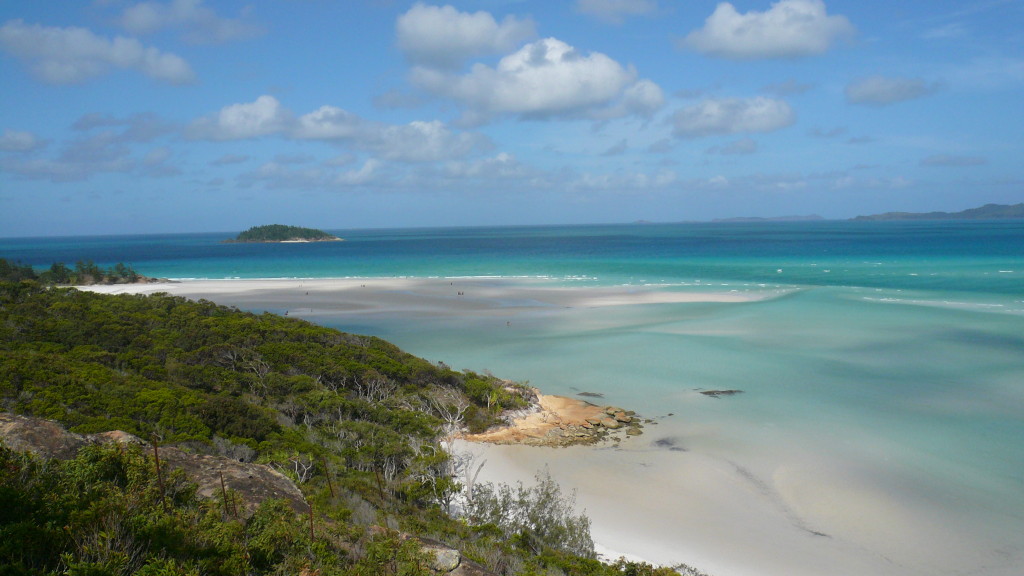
[{"x": 884, "y": 379}]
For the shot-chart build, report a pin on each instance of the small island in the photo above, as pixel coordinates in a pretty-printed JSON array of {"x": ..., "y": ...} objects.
[{"x": 282, "y": 233}]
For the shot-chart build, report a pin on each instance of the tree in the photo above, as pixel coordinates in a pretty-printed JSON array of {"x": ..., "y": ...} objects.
[{"x": 536, "y": 518}]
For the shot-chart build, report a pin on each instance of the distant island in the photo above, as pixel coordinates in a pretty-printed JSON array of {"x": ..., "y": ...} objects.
[
  {"x": 986, "y": 212},
  {"x": 282, "y": 233}
]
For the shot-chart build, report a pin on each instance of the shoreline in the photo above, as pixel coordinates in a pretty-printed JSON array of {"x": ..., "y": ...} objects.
[
  {"x": 479, "y": 296},
  {"x": 723, "y": 485}
]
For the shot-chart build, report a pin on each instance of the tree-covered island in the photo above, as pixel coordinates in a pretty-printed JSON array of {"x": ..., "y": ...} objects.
[{"x": 282, "y": 233}]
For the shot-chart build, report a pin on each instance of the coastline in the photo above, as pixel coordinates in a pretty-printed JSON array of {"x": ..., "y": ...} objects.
[
  {"x": 710, "y": 486},
  {"x": 325, "y": 297}
]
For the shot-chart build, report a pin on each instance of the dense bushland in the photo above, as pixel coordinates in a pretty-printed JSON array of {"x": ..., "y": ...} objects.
[{"x": 355, "y": 421}]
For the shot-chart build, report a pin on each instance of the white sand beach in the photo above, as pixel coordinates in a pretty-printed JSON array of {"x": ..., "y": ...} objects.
[{"x": 726, "y": 496}]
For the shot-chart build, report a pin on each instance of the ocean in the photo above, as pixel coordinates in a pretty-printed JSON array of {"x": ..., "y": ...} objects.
[{"x": 881, "y": 424}]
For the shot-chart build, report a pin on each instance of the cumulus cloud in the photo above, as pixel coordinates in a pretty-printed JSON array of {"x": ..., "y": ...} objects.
[
  {"x": 77, "y": 160},
  {"x": 424, "y": 142},
  {"x": 242, "y": 121},
  {"x": 620, "y": 181},
  {"x": 643, "y": 98},
  {"x": 417, "y": 141},
  {"x": 503, "y": 166},
  {"x": 16, "y": 141},
  {"x": 946, "y": 160},
  {"x": 542, "y": 79},
  {"x": 789, "y": 29},
  {"x": 615, "y": 11},
  {"x": 200, "y": 24},
  {"x": 732, "y": 115},
  {"x": 72, "y": 55},
  {"x": 278, "y": 175},
  {"x": 881, "y": 91},
  {"x": 329, "y": 123},
  {"x": 443, "y": 37}
]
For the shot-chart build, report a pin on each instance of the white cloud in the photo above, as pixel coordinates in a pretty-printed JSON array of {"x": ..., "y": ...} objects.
[
  {"x": 201, "y": 24},
  {"x": 77, "y": 160},
  {"x": 503, "y": 166},
  {"x": 947, "y": 160},
  {"x": 155, "y": 164},
  {"x": 617, "y": 149},
  {"x": 242, "y": 121},
  {"x": 417, "y": 141},
  {"x": 71, "y": 55},
  {"x": 626, "y": 181},
  {"x": 946, "y": 32},
  {"x": 275, "y": 175},
  {"x": 329, "y": 123},
  {"x": 643, "y": 98},
  {"x": 881, "y": 91},
  {"x": 424, "y": 142},
  {"x": 443, "y": 37},
  {"x": 614, "y": 11},
  {"x": 544, "y": 78},
  {"x": 364, "y": 175},
  {"x": 736, "y": 147},
  {"x": 732, "y": 115},
  {"x": 790, "y": 28},
  {"x": 16, "y": 141},
  {"x": 136, "y": 128}
]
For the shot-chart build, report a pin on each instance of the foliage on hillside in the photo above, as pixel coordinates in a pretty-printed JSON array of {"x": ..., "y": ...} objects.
[
  {"x": 102, "y": 514},
  {"x": 355, "y": 421},
  {"x": 281, "y": 233}
]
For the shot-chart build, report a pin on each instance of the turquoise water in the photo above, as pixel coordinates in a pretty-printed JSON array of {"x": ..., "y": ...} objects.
[
  {"x": 890, "y": 354},
  {"x": 951, "y": 256}
]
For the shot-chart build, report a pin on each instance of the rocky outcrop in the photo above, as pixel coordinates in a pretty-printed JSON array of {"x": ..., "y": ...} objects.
[
  {"x": 251, "y": 483},
  {"x": 559, "y": 421}
]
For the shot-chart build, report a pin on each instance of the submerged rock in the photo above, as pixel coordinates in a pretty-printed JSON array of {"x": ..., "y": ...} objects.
[{"x": 719, "y": 393}]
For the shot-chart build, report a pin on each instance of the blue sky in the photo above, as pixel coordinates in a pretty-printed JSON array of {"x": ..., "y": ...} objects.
[{"x": 201, "y": 115}]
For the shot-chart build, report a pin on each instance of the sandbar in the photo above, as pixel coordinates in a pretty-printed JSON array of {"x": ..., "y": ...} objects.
[{"x": 423, "y": 295}]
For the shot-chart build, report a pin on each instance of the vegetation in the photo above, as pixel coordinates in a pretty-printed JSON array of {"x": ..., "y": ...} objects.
[
  {"x": 356, "y": 422},
  {"x": 84, "y": 272},
  {"x": 282, "y": 233},
  {"x": 986, "y": 212}
]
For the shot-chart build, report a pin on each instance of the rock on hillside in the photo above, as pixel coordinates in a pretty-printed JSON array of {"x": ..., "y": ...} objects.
[{"x": 253, "y": 483}]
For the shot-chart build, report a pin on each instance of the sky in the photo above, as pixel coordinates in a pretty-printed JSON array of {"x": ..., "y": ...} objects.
[{"x": 164, "y": 116}]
